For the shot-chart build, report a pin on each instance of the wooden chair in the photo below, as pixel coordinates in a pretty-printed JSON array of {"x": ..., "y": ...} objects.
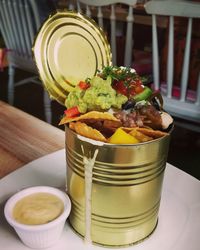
[
  {"x": 19, "y": 23},
  {"x": 179, "y": 101},
  {"x": 108, "y": 10}
]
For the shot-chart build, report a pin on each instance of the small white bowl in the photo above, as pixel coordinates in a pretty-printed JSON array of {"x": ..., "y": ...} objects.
[{"x": 38, "y": 236}]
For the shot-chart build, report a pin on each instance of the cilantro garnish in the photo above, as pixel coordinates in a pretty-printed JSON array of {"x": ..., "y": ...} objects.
[{"x": 117, "y": 73}]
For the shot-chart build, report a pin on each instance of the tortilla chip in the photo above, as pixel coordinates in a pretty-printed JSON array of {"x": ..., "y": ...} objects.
[
  {"x": 152, "y": 133},
  {"x": 140, "y": 136},
  {"x": 90, "y": 115},
  {"x": 87, "y": 131},
  {"x": 72, "y": 125},
  {"x": 126, "y": 129},
  {"x": 112, "y": 125}
]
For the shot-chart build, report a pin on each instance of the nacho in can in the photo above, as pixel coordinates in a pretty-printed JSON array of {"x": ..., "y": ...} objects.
[{"x": 117, "y": 202}]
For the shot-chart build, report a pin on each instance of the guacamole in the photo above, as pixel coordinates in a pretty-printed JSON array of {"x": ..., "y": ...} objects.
[{"x": 98, "y": 96}]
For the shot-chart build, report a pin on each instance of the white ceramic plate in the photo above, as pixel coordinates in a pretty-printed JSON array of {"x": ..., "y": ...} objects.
[{"x": 179, "y": 217}]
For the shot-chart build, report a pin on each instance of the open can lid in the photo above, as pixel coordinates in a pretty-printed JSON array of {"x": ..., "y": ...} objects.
[{"x": 68, "y": 48}]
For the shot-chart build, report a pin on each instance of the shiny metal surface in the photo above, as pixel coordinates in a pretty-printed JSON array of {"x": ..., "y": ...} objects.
[
  {"x": 126, "y": 188},
  {"x": 68, "y": 48}
]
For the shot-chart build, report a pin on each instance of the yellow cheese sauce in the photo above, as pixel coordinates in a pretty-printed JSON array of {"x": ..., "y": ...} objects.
[{"x": 39, "y": 208}]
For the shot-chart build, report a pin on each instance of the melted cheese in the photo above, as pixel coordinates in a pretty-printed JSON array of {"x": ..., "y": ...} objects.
[{"x": 88, "y": 169}]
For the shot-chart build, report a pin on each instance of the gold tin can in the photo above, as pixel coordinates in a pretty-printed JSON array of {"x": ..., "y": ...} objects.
[{"x": 125, "y": 192}]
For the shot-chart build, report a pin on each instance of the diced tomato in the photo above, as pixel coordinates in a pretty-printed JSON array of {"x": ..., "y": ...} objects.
[
  {"x": 131, "y": 92},
  {"x": 72, "y": 112},
  {"x": 128, "y": 88},
  {"x": 83, "y": 85},
  {"x": 138, "y": 87},
  {"x": 120, "y": 87}
]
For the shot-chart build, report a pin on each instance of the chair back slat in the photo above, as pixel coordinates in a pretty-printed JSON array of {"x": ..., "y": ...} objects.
[
  {"x": 113, "y": 34},
  {"x": 15, "y": 33},
  {"x": 198, "y": 92},
  {"x": 79, "y": 7},
  {"x": 100, "y": 17},
  {"x": 31, "y": 30},
  {"x": 129, "y": 38},
  {"x": 36, "y": 16},
  {"x": 24, "y": 23},
  {"x": 88, "y": 12},
  {"x": 71, "y": 6},
  {"x": 18, "y": 26},
  {"x": 3, "y": 26},
  {"x": 156, "y": 68},
  {"x": 12, "y": 31},
  {"x": 7, "y": 26},
  {"x": 101, "y": 12},
  {"x": 170, "y": 61},
  {"x": 186, "y": 61}
]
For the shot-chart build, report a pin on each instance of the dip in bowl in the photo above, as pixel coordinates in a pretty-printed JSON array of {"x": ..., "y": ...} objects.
[{"x": 38, "y": 215}]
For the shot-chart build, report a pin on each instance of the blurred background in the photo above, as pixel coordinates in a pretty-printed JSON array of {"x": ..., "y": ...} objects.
[{"x": 184, "y": 151}]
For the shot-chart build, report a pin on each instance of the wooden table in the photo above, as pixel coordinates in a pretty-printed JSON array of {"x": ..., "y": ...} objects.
[{"x": 24, "y": 138}]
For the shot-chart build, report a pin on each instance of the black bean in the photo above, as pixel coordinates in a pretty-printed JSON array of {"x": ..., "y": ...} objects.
[{"x": 128, "y": 105}]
